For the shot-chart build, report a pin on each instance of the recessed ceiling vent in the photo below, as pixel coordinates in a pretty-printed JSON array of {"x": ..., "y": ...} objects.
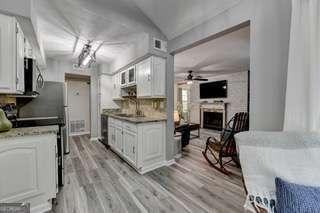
[{"x": 160, "y": 45}]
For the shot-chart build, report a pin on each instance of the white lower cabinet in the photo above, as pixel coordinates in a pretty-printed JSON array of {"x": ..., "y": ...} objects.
[
  {"x": 118, "y": 139},
  {"x": 141, "y": 145},
  {"x": 28, "y": 171},
  {"x": 129, "y": 146}
]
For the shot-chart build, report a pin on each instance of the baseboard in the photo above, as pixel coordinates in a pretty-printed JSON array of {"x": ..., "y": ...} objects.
[
  {"x": 80, "y": 133},
  {"x": 45, "y": 207},
  {"x": 170, "y": 162},
  {"x": 177, "y": 156},
  {"x": 152, "y": 167},
  {"x": 94, "y": 139}
]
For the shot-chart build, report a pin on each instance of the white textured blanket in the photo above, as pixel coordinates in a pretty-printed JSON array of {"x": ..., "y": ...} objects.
[{"x": 292, "y": 156}]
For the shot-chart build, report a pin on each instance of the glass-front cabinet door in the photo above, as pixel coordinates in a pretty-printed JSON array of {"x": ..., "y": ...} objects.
[
  {"x": 132, "y": 75},
  {"x": 123, "y": 79}
]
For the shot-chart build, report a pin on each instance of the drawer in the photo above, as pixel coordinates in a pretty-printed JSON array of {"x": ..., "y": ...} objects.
[{"x": 129, "y": 126}]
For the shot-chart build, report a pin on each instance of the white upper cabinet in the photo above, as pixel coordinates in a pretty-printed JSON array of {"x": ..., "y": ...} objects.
[
  {"x": 7, "y": 54},
  {"x": 158, "y": 77},
  {"x": 128, "y": 77},
  {"x": 116, "y": 86},
  {"x": 151, "y": 74},
  {"x": 11, "y": 56},
  {"x": 123, "y": 79},
  {"x": 144, "y": 84},
  {"x": 131, "y": 75},
  {"x": 20, "y": 59}
]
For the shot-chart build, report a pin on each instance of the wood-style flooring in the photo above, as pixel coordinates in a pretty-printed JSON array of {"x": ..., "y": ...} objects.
[{"x": 97, "y": 180}]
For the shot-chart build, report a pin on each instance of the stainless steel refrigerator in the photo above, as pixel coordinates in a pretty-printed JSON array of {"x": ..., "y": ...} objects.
[{"x": 51, "y": 103}]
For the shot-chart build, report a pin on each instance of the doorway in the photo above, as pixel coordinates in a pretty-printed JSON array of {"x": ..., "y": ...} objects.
[
  {"x": 212, "y": 81},
  {"x": 78, "y": 100}
]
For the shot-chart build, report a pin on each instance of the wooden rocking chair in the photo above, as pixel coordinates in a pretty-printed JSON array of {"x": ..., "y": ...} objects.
[{"x": 226, "y": 146}]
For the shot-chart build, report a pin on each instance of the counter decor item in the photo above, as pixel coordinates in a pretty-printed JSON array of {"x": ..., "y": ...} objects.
[{"x": 5, "y": 124}]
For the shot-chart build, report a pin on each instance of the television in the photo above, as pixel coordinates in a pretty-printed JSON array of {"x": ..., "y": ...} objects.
[{"x": 216, "y": 89}]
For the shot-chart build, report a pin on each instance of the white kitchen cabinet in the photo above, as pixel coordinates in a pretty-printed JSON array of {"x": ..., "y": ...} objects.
[
  {"x": 152, "y": 139},
  {"x": 151, "y": 77},
  {"x": 123, "y": 78},
  {"x": 11, "y": 56},
  {"x": 28, "y": 170},
  {"x": 129, "y": 146},
  {"x": 7, "y": 54},
  {"x": 28, "y": 50},
  {"x": 111, "y": 136},
  {"x": 118, "y": 139},
  {"x": 116, "y": 86},
  {"x": 141, "y": 145},
  {"x": 144, "y": 85},
  {"x": 158, "y": 77},
  {"x": 20, "y": 53}
]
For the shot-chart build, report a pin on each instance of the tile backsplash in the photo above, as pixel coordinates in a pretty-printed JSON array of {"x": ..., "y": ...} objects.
[
  {"x": 149, "y": 107},
  {"x": 5, "y": 99}
]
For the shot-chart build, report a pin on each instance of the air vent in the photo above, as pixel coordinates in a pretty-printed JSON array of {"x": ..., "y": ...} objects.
[
  {"x": 159, "y": 45},
  {"x": 77, "y": 126}
]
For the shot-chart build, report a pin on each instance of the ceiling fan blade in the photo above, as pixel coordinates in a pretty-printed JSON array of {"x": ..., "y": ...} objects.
[
  {"x": 201, "y": 79},
  {"x": 182, "y": 83}
]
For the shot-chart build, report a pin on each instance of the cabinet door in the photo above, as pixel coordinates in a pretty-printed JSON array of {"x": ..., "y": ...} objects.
[
  {"x": 123, "y": 78},
  {"x": 7, "y": 54},
  {"x": 20, "y": 60},
  {"x": 131, "y": 75},
  {"x": 27, "y": 166},
  {"x": 129, "y": 146},
  {"x": 152, "y": 142},
  {"x": 143, "y": 72},
  {"x": 158, "y": 77},
  {"x": 114, "y": 88},
  {"x": 111, "y": 136},
  {"x": 118, "y": 140},
  {"x": 118, "y": 86}
]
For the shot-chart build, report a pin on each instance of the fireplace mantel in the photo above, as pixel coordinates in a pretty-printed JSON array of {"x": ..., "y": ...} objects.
[{"x": 217, "y": 107}]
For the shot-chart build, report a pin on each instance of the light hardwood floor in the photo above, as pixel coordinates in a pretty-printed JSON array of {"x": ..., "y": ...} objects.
[{"x": 97, "y": 180}]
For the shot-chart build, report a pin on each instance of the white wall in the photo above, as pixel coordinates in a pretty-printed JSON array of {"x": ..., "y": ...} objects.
[
  {"x": 17, "y": 7},
  {"x": 56, "y": 70},
  {"x": 237, "y": 98},
  {"x": 106, "y": 93},
  {"x": 269, "y": 44}
]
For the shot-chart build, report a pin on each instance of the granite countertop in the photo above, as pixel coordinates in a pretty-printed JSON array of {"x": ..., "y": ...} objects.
[
  {"x": 138, "y": 119},
  {"x": 29, "y": 131}
]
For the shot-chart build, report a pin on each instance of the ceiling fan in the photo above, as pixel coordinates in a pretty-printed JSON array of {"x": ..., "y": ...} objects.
[{"x": 191, "y": 78}]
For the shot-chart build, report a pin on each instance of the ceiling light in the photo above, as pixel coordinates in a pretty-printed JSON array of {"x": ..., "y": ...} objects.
[
  {"x": 189, "y": 82},
  {"x": 86, "y": 61},
  {"x": 87, "y": 56}
]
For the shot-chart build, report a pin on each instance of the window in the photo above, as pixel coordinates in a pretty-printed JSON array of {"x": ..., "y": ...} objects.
[{"x": 185, "y": 98}]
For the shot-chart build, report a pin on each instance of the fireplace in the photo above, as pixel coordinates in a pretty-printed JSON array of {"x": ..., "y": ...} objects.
[
  {"x": 213, "y": 120},
  {"x": 213, "y": 115}
]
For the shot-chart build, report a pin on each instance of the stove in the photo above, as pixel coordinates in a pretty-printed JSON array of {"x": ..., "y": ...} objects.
[{"x": 48, "y": 121}]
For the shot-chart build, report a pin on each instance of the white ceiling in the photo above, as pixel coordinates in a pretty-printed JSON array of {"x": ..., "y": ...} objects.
[
  {"x": 65, "y": 25},
  {"x": 64, "y": 22},
  {"x": 227, "y": 54},
  {"x": 174, "y": 17}
]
